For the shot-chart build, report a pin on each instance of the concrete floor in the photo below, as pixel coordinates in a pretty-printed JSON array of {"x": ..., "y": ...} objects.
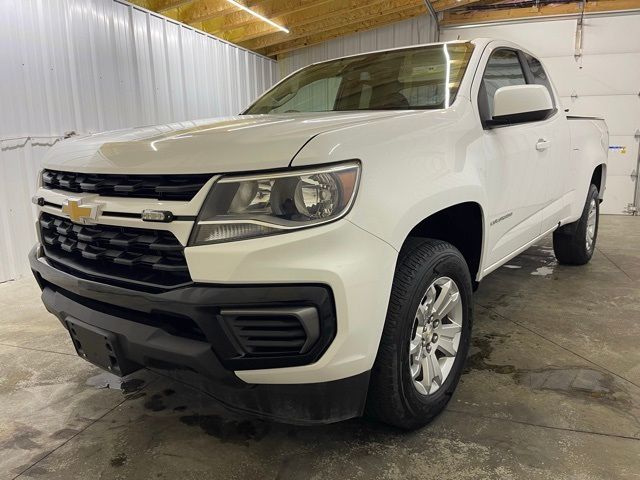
[{"x": 552, "y": 390}]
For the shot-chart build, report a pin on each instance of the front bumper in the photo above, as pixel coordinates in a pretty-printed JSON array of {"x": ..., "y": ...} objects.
[{"x": 125, "y": 314}]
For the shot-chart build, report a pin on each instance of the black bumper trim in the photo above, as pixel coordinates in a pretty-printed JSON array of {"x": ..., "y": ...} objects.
[
  {"x": 195, "y": 364},
  {"x": 298, "y": 404},
  {"x": 142, "y": 344},
  {"x": 192, "y": 360},
  {"x": 193, "y": 312}
]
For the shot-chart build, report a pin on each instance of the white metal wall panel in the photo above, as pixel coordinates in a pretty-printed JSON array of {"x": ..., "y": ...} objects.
[
  {"x": 605, "y": 81},
  {"x": 408, "y": 32},
  {"x": 94, "y": 65}
]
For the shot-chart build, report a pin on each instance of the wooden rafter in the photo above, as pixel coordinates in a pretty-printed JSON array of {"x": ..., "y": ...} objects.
[
  {"x": 307, "y": 20},
  {"x": 345, "y": 29},
  {"x": 209, "y": 14},
  {"x": 195, "y": 11},
  {"x": 329, "y": 15},
  {"x": 442, "y": 5},
  {"x": 278, "y": 11},
  {"x": 315, "y": 21},
  {"x": 161, "y": 6},
  {"x": 503, "y": 14}
]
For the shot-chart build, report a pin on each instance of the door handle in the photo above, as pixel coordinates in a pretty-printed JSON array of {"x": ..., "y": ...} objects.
[{"x": 543, "y": 144}]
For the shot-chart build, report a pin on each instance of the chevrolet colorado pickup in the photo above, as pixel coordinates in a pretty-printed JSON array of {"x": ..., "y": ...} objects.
[{"x": 313, "y": 259}]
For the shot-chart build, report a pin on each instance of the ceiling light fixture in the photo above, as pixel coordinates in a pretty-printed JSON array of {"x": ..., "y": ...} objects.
[{"x": 257, "y": 15}]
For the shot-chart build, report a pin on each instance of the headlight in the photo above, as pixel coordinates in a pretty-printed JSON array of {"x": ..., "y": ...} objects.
[{"x": 242, "y": 207}]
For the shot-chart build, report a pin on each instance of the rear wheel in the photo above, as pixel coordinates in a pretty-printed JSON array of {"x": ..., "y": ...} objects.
[
  {"x": 575, "y": 243},
  {"x": 426, "y": 335}
]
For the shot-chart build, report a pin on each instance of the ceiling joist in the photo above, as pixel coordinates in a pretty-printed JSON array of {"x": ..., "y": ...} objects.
[
  {"x": 442, "y": 5},
  {"x": 553, "y": 9},
  {"x": 284, "y": 13},
  {"x": 315, "y": 38},
  {"x": 314, "y": 21},
  {"x": 319, "y": 21}
]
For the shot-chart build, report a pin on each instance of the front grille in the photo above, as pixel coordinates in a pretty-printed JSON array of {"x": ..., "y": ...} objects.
[
  {"x": 282, "y": 335},
  {"x": 113, "y": 254},
  {"x": 162, "y": 187}
]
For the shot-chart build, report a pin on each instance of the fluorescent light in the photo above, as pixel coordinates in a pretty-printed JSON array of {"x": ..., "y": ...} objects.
[{"x": 257, "y": 15}]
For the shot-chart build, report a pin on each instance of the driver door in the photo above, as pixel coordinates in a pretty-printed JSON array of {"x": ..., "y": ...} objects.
[{"x": 514, "y": 179}]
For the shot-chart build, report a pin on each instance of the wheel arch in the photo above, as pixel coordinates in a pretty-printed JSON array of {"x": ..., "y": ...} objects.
[
  {"x": 599, "y": 179},
  {"x": 467, "y": 235}
]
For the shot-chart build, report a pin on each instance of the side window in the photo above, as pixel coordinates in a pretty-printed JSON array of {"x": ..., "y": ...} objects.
[
  {"x": 539, "y": 76},
  {"x": 502, "y": 70}
]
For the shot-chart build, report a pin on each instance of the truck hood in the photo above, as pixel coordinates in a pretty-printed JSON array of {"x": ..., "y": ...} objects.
[{"x": 231, "y": 144}]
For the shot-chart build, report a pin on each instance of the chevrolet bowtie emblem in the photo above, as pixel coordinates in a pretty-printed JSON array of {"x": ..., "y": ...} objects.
[{"x": 80, "y": 212}]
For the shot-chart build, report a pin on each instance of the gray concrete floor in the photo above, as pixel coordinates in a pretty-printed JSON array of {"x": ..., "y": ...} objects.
[{"x": 552, "y": 390}]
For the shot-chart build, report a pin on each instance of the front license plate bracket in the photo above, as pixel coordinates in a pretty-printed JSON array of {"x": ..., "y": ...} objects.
[{"x": 99, "y": 347}]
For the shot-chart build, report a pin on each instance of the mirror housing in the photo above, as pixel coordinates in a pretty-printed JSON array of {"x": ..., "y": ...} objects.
[{"x": 520, "y": 104}]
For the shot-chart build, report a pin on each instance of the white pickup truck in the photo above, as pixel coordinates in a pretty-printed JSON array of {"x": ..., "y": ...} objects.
[{"x": 314, "y": 258}]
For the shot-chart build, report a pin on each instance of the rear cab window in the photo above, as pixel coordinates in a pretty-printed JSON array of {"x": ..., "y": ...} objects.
[
  {"x": 507, "y": 67},
  {"x": 502, "y": 70},
  {"x": 538, "y": 74}
]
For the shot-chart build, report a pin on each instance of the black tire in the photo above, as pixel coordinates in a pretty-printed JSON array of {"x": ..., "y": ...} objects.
[
  {"x": 570, "y": 241},
  {"x": 393, "y": 398}
]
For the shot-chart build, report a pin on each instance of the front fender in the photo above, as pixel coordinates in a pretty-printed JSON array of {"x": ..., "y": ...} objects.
[{"x": 412, "y": 167}]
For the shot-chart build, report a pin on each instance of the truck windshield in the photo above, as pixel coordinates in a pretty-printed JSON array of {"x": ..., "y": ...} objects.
[{"x": 415, "y": 78}]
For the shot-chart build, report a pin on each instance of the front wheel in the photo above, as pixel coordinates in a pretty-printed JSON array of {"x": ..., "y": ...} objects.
[
  {"x": 426, "y": 335},
  {"x": 575, "y": 243}
]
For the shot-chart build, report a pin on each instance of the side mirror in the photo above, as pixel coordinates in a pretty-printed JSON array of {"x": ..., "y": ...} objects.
[{"x": 521, "y": 103}]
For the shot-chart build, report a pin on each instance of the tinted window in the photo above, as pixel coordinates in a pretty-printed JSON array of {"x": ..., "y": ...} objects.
[
  {"x": 503, "y": 70},
  {"x": 313, "y": 97},
  {"x": 423, "y": 77},
  {"x": 539, "y": 75}
]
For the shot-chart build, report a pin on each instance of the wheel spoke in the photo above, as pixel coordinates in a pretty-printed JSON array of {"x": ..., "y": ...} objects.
[
  {"x": 434, "y": 367},
  {"x": 443, "y": 296},
  {"x": 421, "y": 388},
  {"x": 416, "y": 368},
  {"x": 448, "y": 330},
  {"x": 415, "y": 345},
  {"x": 427, "y": 373},
  {"x": 446, "y": 301},
  {"x": 447, "y": 346},
  {"x": 422, "y": 315},
  {"x": 430, "y": 300},
  {"x": 448, "y": 338}
]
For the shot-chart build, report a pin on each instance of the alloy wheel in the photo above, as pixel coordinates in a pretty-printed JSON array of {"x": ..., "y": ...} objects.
[{"x": 435, "y": 337}]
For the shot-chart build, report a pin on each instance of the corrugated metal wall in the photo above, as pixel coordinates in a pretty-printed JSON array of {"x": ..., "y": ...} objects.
[
  {"x": 408, "y": 32},
  {"x": 94, "y": 65}
]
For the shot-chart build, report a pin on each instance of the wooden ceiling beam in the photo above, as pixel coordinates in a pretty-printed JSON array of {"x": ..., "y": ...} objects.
[
  {"x": 484, "y": 16},
  {"x": 442, "y": 5},
  {"x": 329, "y": 13},
  {"x": 344, "y": 29},
  {"x": 274, "y": 10},
  {"x": 351, "y": 19},
  {"x": 196, "y": 11},
  {"x": 160, "y": 6}
]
